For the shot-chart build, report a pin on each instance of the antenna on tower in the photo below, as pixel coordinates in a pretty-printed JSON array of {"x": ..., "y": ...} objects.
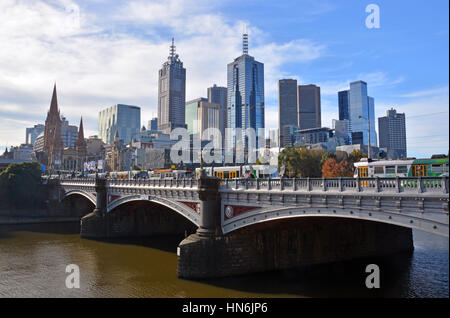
[
  {"x": 245, "y": 40},
  {"x": 172, "y": 49}
]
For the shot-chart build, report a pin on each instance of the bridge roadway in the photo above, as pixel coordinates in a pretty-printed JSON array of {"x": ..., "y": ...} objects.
[{"x": 419, "y": 203}]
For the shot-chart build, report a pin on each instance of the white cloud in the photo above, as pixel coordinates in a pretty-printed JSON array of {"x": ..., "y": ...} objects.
[{"x": 95, "y": 66}]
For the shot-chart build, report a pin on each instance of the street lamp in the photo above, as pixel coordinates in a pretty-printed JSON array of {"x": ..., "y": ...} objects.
[{"x": 368, "y": 132}]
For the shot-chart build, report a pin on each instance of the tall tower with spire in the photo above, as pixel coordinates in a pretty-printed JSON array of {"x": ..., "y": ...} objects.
[
  {"x": 245, "y": 109},
  {"x": 171, "y": 93},
  {"x": 81, "y": 146},
  {"x": 53, "y": 145}
]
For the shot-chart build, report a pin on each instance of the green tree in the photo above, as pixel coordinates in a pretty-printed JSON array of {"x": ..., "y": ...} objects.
[
  {"x": 327, "y": 155},
  {"x": 300, "y": 162},
  {"x": 19, "y": 184},
  {"x": 356, "y": 156}
]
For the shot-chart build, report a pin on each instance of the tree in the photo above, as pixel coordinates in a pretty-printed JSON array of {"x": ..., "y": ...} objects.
[
  {"x": 300, "y": 162},
  {"x": 356, "y": 156},
  {"x": 326, "y": 156},
  {"x": 18, "y": 182},
  {"x": 330, "y": 168},
  {"x": 345, "y": 169}
]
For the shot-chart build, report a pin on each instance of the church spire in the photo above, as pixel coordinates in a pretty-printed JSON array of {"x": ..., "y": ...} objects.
[
  {"x": 81, "y": 130},
  {"x": 54, "y": 102}
]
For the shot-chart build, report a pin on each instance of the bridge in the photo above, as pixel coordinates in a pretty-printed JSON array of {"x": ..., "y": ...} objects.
[{"x": 237, "y": 224}]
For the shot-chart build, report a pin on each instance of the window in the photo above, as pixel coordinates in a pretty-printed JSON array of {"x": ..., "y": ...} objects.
[
  {"x": 436, "y": 168},
  {"x": 390, "y": 169},
  {"x": 402, "y": 169},
  {"x": 379, "y": 170}
]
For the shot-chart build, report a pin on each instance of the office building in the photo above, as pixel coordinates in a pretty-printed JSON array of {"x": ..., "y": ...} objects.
[
  {"x": 153, "y": 124},
  {"x": 69, "y": 133},
  {"x": 361, "y": 113},
  {"x": 32, "y": 133},
  {"x": 171, "y": 93},
  {"x": 308, "y": 107},
  {"x": 245, "y": 82},
  {"x": 218, "y": 95},
  {"x": 392, "y": 130},
  {"x": 123, "y": 119},
  {"x": 201, "y": 115},
  {"x": 287, "y": 108},
  {"x": 342, "y": 131}
]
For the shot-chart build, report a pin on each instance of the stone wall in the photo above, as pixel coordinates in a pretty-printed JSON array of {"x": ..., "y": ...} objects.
[{"x": 289, "y": 243}]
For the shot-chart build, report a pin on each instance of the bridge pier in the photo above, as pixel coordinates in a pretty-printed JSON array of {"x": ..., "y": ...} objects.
[
  {"x": 289, "y": 243},
  {"x": 95, "y": 225}
]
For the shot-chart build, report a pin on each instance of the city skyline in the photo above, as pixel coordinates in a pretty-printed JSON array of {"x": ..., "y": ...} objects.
[{"x": 394, "y": 77}]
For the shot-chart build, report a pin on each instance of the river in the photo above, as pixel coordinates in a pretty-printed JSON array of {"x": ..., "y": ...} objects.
[{"x": 33, "y": 260}]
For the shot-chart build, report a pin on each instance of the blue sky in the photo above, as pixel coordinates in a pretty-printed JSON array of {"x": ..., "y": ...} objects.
[{"x": 102, "y": 53}]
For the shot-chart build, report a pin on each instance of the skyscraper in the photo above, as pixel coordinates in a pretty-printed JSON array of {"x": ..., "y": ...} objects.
[
  {"x": 201, "y": 115},
  {"x": 308, "y": 106},
  {"x": 153, "y": 124},
  {"x": 124, "y": 119},
  {"x": 218, "y": 95},
  {"x": 287, "y": 108},
  {"x": 361, "y": 108},
  {"x": 32, "y": 133},
  {"x": 171, "y": 93},
  {"x": 392, "y": 130},
  {"x": 245, "y": 78},
  {"x": 343, "y": 97},
  {"x": 69, "y": 133}
]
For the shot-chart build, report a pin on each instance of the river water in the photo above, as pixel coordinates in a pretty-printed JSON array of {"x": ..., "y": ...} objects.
[{"x": 33, "y": 260}]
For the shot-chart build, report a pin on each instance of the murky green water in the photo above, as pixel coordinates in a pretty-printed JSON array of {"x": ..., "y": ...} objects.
[{"x": 33, "y": 259}]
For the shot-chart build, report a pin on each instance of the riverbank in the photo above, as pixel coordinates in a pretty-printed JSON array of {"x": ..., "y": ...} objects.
[{"x": 4, "y": 220}]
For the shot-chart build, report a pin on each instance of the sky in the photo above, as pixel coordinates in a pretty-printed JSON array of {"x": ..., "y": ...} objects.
[{"x": 101, "y": 53}]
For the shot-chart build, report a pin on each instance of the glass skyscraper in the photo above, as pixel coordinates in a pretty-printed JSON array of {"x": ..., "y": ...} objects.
[
  {"x": 218, "y": 95},
  {"x": 124, "y": 119},
  {"x": 309, "y": 108},
  {"x": 359, "y": 109},
  {"x": 245, "y": 79}
]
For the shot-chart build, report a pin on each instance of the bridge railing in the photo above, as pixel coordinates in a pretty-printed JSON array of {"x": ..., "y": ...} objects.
[
  {"x": 393, "y": 185},
  {"x": 165, "y": 183}
]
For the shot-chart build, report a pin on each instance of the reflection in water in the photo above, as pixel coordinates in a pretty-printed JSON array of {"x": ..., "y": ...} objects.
[{"x": 33, "y": 259}]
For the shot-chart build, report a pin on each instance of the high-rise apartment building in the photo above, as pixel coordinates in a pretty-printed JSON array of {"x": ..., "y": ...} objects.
[
  {"x": 287, "y": 109},
  {"x": 124, "y": 119},
  {"x": 171, "y": 93},
  {"x": 308, "y": 106},
  {"x": 245, "y": 78},
  {"x": 392, "y": 130}
]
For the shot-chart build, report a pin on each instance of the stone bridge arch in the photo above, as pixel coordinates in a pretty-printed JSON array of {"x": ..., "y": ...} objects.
[
  {"x": 88, "y": 196},
  {"x": 436, "y": 225},
  {"x": 177, "y": 207},
  {"x": 76, "y": 203}
]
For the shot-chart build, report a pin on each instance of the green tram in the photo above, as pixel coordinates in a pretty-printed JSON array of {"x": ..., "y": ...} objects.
[{"x": 434, "y": 167}]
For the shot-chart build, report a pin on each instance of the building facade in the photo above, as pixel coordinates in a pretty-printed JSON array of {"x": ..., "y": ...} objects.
[
  {"x": 308, "y": 107},
  {"x": 287, "y": 108},
  {"x": 245, "y": 83},
  {"x": 171, "y": 93},
  {"x": 392, "y": 130},
  {"x": 361, "y": 113},
  {"x": 153, "y": 124},
  {"x": 32, "y": 133},
  {"x": 124, "y": 119},
  {"x": 201, "y": 115},
  {"x": 218, "y": 95},
  {"x": 343, "y": 98},
  {"x": 69, "y": 133}
]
